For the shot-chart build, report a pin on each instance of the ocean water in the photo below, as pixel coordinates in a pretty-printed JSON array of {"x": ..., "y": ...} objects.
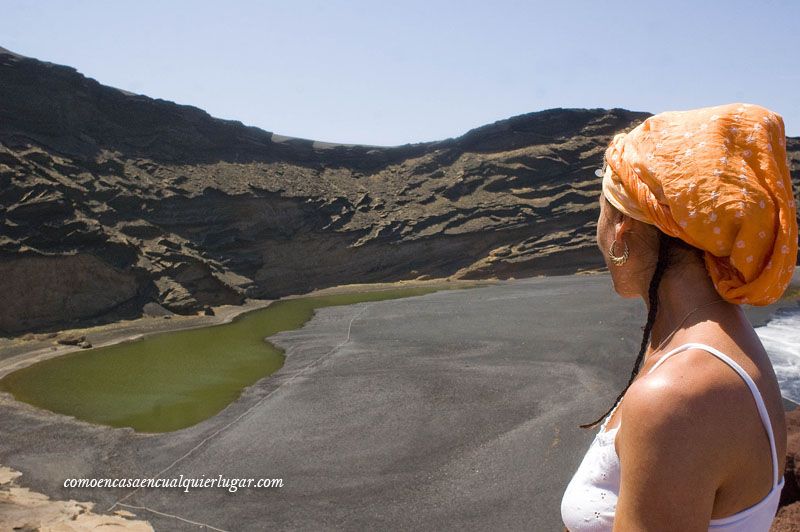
[{"x": 781, "y": 339}]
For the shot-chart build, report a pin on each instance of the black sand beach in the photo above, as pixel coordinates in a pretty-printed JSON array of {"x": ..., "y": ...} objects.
[{"x": 445, "y": 411}]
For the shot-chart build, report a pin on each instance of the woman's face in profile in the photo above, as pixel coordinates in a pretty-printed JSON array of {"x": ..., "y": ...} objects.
[{"x": 605, "y": 236}]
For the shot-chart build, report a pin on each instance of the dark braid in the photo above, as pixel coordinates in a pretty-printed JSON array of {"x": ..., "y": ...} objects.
[{"x": 665, "y": 243}]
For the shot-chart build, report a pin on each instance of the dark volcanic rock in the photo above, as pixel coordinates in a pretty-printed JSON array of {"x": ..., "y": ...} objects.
[
  {"x": 112, "y": 199},
  {"x": 40, "y": 290},
  {"x": 788, "y": 516},
  {"x": 71, "y": 339},
  {"x": 154, "y": 310}
]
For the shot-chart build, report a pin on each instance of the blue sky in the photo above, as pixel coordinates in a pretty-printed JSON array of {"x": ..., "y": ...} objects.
[{"x": 388, "y": 73}]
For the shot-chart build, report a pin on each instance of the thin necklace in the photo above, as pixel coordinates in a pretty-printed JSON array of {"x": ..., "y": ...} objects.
[
  {"x": 681, "y": 323},
  {"x": 608, "y": 417}
]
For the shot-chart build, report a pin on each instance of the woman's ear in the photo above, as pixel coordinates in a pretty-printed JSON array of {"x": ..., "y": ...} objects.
[{"x": 622, "y": 225}]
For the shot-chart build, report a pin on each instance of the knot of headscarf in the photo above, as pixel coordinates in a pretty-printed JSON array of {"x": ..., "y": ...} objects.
[{"x": 717, "y": 178}]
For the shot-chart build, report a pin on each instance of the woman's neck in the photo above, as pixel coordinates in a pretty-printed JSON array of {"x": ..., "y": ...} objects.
[{"x": 684, "y": 290}]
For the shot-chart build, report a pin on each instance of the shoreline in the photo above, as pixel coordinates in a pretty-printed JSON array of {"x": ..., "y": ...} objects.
[
  {"x": 19, "y": 352},
  {"x": 31, "y": 348}
]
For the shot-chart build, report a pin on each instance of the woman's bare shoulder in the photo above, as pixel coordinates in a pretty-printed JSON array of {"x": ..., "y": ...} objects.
[
  {"x": 688, "y": 399},
  {"x": 695, "y": 395},
  {"x": 700, "y": 383},
  {"x": 700, "y": 408},
  {"x": 668, "y": 443}
]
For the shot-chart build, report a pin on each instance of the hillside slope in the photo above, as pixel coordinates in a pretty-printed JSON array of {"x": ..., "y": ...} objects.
[{"x": 110, "y": 200}]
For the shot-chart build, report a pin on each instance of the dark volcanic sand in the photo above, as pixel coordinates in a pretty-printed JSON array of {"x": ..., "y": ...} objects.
[{"x": 445, "y": 411}]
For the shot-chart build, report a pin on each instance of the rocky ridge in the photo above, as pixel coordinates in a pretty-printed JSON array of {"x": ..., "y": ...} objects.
[{"x": 111, "y": 200}]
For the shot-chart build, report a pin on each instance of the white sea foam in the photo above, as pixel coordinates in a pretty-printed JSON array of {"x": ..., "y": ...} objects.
[{"x": 781, "y": 339}]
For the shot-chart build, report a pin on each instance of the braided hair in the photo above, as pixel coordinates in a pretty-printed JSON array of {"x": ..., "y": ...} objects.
[{"x": 667, "y": 255}]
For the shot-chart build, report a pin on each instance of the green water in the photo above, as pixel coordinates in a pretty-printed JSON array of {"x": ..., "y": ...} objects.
[{"x": 173, "y": 380}]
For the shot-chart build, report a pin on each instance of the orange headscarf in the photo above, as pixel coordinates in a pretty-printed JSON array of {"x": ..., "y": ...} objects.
[{"x": 717, "y": 178}]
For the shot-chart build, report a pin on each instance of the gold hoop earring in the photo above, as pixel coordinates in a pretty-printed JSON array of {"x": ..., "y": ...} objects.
[{"x": 618, "y": 260}]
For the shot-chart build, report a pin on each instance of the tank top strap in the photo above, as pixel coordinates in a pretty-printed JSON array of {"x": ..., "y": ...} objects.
[{"x": 762, "y": 409}]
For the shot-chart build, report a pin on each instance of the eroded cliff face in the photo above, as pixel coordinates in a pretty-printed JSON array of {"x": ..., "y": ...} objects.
[
  {"x": 156, "y": 201},
  {"x": 67, "y": 287}
]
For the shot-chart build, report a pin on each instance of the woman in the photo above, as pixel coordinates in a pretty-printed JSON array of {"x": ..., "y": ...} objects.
[{"x": 697, "y": 216}]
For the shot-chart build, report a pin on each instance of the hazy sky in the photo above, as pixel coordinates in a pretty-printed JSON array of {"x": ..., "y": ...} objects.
[{"x": 387, "y": 73}]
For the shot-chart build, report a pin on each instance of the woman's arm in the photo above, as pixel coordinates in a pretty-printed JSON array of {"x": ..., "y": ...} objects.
[{"x": 670, "y": 464}]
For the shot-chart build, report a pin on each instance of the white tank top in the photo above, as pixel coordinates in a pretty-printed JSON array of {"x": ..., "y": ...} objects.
[{"x": 591, "y": 496}]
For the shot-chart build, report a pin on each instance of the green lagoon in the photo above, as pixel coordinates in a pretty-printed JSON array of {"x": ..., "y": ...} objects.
[{"x": 172, "y": 380}]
